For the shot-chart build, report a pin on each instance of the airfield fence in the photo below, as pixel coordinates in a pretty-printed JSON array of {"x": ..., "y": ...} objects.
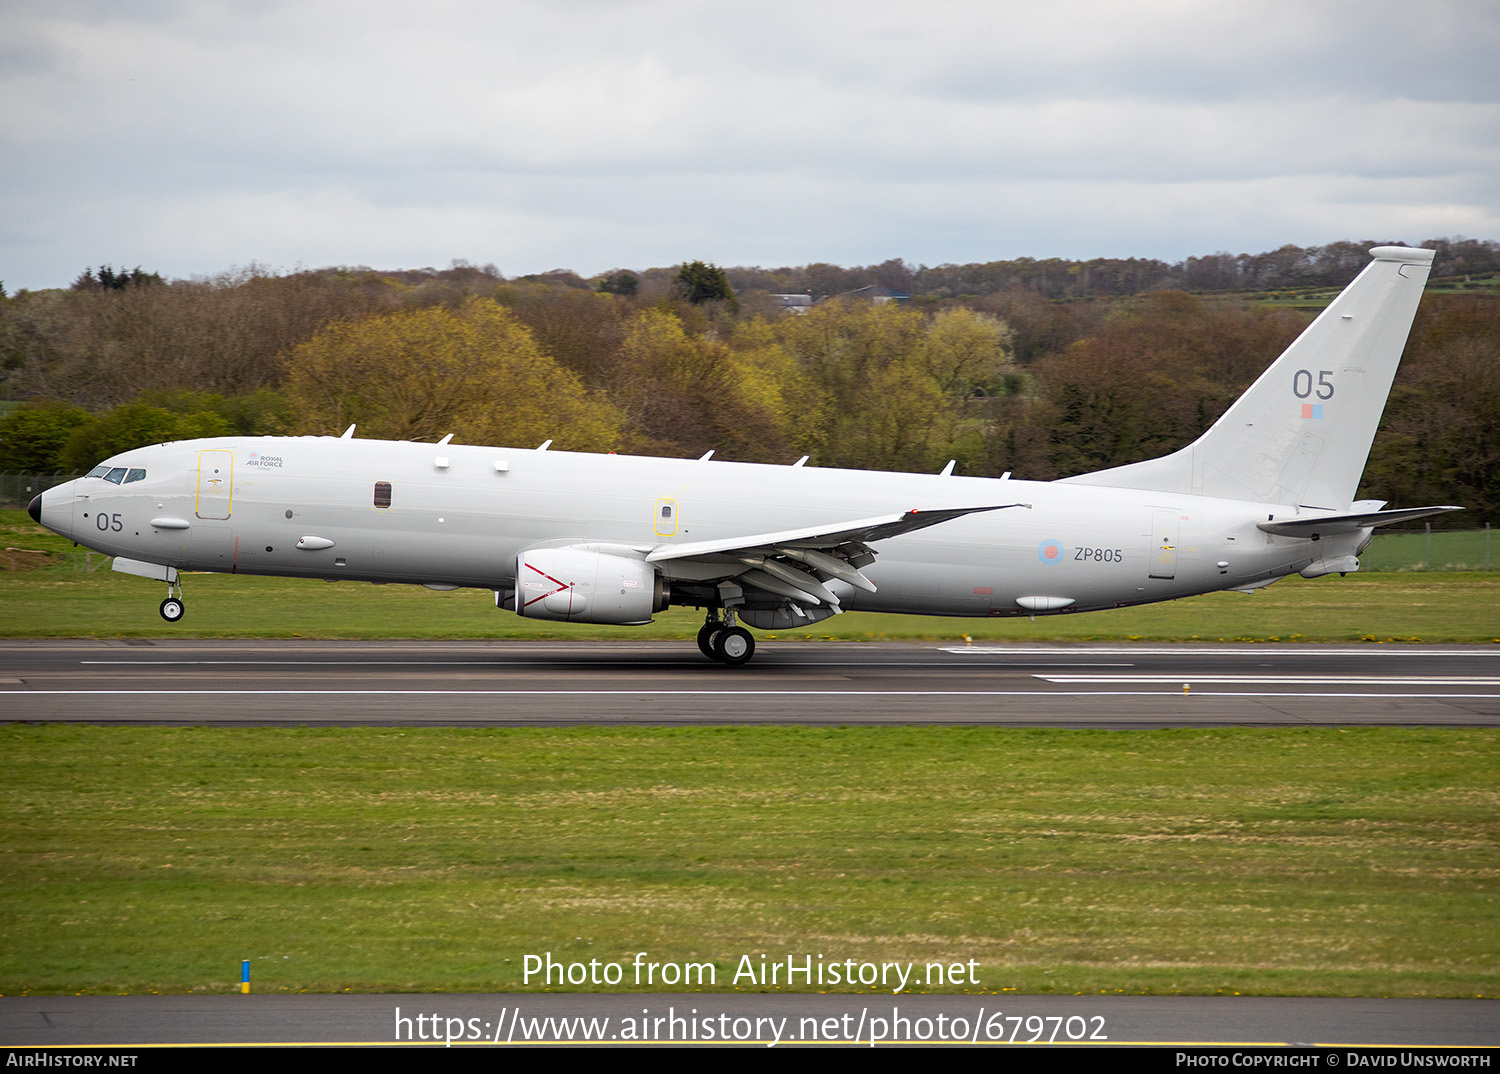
[
  {"x": 1424, "y": 550},
  {"x": 1414, "y": 550},
  {"x": 18, "y": 487}
]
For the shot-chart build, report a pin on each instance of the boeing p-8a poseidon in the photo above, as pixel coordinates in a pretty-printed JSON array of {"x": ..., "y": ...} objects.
[{"x": 1266, "y": 492}]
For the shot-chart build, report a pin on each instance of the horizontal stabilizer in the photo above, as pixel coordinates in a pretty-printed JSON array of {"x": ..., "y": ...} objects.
[{"x": 1331, "y": 525}]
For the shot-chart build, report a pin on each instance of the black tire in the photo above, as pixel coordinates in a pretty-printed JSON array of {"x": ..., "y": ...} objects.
[
  {"x": 706, "y": 637},
  {"x": 171, "y": 609},
  {"x": 734, "y": 646}
]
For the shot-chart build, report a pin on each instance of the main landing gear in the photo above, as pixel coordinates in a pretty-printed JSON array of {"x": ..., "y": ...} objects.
[
  {"x": 725, "y": 642},
  {"x": 172, "y": 608}
]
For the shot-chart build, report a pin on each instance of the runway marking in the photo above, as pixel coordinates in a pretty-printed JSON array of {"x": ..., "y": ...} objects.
[
  {"x": 1269, "y": 680},
  {"x": 724, "y": 693},
  {"x": 504, "y": 661},
  {"x": 1189, "y": 649}
]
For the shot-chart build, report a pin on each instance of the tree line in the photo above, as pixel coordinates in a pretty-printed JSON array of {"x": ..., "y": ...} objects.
[
  {"x": 1289, "y": 268},
  {"x": 678, "y": 362}
]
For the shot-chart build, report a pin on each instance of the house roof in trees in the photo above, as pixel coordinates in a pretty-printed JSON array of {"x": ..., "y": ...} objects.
[{"x": 878, "y": 294}]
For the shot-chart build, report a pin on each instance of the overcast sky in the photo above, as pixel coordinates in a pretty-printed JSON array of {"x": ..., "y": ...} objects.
[{"x": 191, "y": 137}]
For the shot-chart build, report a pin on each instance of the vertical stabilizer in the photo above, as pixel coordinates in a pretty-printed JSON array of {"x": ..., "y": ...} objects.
[{"x": 1302, "y": 432}]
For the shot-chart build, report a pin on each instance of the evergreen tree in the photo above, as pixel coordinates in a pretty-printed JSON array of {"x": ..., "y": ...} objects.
[{"x": 699, "y": 282}]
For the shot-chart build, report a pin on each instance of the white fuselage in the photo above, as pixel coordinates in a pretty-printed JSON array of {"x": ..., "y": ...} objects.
[
  {"x": 1266, "y": 491},
  {"x": 460, "y": 516}
]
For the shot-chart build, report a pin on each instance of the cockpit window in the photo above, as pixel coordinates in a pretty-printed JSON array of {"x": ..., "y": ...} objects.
[{"x": 120, "y": 475}]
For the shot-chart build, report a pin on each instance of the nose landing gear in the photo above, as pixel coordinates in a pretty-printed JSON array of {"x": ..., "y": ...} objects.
[{"x": 172, "y": 608}]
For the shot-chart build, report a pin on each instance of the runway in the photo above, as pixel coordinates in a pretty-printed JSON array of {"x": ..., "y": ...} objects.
[
  {"x": 788, "y": 1019},
  {"x": 499, "y": 683}
]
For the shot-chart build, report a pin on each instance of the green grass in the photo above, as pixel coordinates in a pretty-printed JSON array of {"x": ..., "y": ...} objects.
[
  {"x": 1457, "y": 550},
  {"x": 1318, "y": 298},
  {"x": 1320, "y": 862},
  {"x": 1357, "y": 862},
  {"x": 68, "y": 592}
]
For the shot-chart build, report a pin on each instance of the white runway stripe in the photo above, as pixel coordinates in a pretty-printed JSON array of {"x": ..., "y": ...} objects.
[
  {"x": 1191, "y": 649},
  {"x": 1273, "y": 680},
  {"x": 723, "y": 693}
]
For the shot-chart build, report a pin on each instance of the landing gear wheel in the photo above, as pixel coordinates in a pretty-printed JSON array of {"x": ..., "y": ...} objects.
[
  {"x": 171, "y": 609},
  {"x": 706, "y": 637},
  {"x": 734, "y": 646}
]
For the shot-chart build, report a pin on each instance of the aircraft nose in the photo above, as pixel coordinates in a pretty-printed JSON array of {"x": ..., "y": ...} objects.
[{"x": 34, "y": 509}]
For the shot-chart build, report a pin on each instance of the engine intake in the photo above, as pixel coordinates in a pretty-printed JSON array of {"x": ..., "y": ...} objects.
[{"x": 578, "y": 585}]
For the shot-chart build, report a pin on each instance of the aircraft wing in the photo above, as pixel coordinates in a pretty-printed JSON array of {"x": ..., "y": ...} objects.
[
  {"x": 794, "y": 565},
  {"x": 1330, "y": 525},
  {"x": 817, "y": 537}
]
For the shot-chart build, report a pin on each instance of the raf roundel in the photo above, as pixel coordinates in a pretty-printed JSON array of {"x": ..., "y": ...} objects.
[{"x": 1050, "y": 551}]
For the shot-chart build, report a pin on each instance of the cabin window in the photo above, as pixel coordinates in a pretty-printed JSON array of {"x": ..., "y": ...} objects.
[
  {"x": 382, "y": 494},
  {"x": 666, "y": 517}
]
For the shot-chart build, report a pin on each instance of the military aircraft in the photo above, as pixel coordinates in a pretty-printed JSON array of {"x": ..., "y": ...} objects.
[{"x": 1266, "y": 492}]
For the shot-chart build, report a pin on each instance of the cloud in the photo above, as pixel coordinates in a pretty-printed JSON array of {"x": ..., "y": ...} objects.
[{"x": 190, "y": 136}]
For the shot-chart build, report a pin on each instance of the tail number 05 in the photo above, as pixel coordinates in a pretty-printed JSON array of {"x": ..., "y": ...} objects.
[{"x": 1302, "y": 383}]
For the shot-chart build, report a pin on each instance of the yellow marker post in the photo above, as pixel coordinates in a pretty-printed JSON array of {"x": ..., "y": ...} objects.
[{"x": 245, "y": 976}]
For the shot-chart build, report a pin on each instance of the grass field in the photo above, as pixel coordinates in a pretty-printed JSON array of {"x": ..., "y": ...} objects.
[
  {"x": 50, "y": 589},
  {"x": 1300, "y": 861},
  {"x": 1309, "y": 861},
  {"x": 1460, "y": 550}
]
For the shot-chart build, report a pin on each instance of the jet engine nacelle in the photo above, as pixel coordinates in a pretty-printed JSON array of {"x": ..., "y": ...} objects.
[{"x": 579, "y": 585}]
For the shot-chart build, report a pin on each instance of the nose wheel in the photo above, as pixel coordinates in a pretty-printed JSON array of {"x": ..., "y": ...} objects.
[{"x": 172, "y": 608}]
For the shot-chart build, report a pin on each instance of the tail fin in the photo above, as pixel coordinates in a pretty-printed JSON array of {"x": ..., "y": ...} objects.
[{"x": 1301, "y": 433}]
